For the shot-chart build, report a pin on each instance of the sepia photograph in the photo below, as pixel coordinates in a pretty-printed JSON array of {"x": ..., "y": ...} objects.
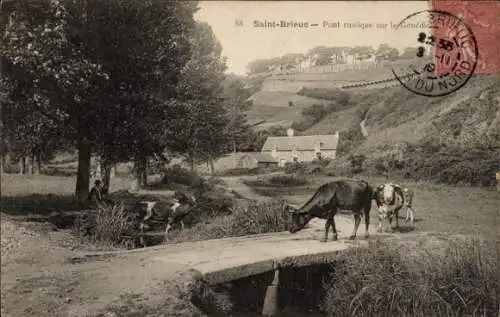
[{"x": 215, "y": 158}]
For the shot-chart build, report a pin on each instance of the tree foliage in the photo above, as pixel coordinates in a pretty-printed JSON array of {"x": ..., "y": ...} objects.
[
  {"x": 201, "y": 131},
  {"x": 99, "y": 69}
]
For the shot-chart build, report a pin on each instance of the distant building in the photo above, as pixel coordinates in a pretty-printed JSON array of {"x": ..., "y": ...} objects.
[
  {"x": 251, "y": 160},
  {"x": 301, "y": 148}
]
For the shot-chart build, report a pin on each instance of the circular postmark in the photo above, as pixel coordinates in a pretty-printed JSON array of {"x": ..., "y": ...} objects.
[{"x": 443, "y": 57}]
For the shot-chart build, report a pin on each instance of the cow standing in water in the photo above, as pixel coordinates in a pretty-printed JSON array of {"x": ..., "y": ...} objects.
[
  {"x": 172, "y": 213},
  {"x": 389, "y": 199},
  {"x": 351, "y": 195}
]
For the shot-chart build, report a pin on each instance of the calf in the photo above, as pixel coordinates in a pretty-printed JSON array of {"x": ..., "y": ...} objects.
[
  {"x": 343, "y": 194},
  {"x": 389, "y": 199},
  {"x": 172, "y": 213}
]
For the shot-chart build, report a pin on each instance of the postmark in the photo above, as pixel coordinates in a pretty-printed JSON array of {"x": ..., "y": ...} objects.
[{"x": 446, "y": 54}]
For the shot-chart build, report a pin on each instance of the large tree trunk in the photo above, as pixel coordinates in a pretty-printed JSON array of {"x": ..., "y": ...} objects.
[
  {"x": 106, "y": 175},
  {"x": 29, "y": 164},
  {"x": 83, "y": 173},
  {"x": 22, "y": 165},
  {"x": 139, "y": 176},
  {"x": 37, "y": 161}
]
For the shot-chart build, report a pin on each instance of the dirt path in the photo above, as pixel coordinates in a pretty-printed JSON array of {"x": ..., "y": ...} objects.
[
  {"x": 40, "y": 277},
  {"x": 236, "y": 183}
]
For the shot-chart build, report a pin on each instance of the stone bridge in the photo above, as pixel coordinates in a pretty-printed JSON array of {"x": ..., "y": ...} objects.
[{"x": 223, "y": 260}]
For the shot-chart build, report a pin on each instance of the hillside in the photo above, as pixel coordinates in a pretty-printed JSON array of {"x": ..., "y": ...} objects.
[
  {"x": 393, "y": 114},
  {"x": 280, "y": 89},
  {"x": 454, "y": 138}
]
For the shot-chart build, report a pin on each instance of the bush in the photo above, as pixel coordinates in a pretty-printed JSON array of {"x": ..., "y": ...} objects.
[
  {"x": 288, "y": 180},
  {"x": 455, "y": 166},
  {"x": 248, "y": 171},
  {"x": 295, "y": 167},
  {"x": 342, "y": 97},
  {"x": 246, "y": 219},
  {"x": 177, "y": 175},
  {"x": 108, "y": 226},
  {"x": 211, "y": 204},
  {"x": 382, "y": 280}
]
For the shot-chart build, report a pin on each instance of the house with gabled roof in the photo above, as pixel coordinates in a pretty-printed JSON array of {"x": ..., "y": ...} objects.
[{"x": 304, "y": 148}]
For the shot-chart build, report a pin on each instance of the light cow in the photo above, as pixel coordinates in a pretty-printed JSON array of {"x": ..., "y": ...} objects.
[{"x": 389, "y": 199}]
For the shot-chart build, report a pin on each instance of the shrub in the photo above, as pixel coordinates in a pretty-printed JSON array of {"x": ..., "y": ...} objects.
[
  {"x": 180, "y": 175},
  {"x": 177, "y": 175},
  {"x": 476, "y": 167},
  {"x": 247, "y": 218},
  {"x": 382, "y": 280},
  {"x": 108, "y": 226},
  {"x": 243, "y": 171},
  {"x": 288, "y": 180},
  {"x": 340, "y": 96},
  {"x": 211, "y": 204},
  {"x": 294, "y": 167}
]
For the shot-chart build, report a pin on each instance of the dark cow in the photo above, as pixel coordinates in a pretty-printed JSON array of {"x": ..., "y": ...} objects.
[
  {"x": 348, "y": 194},
  {"x": 389, "y": 199},
  {"x": 170, "y": 213}
]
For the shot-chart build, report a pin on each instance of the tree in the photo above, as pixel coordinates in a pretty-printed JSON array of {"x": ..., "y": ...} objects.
[
  {"x": 200, "y": 89},
  {"x": 102, "y": 65},
  {"x": 408, "y": 53},
  {"x": 386, "y": 52},
  {"x": 236, "y": 102},
  {"x": 259, "y": 66},
  {"x": 362, "y": 52}
]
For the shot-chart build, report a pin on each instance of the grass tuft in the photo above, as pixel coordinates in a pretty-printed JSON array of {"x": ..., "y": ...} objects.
[
  {"x": 459, "y": 280},
  {"x": 246, "y": 219}
]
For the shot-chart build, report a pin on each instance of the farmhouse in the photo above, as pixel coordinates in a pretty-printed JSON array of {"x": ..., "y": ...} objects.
[{"x": 301, "y": 148}]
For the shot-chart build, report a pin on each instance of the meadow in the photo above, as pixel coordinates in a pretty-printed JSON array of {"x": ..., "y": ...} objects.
[{"x": 459, "y": 279}]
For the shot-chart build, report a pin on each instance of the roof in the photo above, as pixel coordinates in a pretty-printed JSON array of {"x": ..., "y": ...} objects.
[
  {"x": 258, "y": 156},
  {"x": 301, "y": 143},
  {"x": 265, "y": 158}
]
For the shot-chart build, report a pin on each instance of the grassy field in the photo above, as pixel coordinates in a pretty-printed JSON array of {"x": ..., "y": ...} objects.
[{"x": 425, "y": 280}]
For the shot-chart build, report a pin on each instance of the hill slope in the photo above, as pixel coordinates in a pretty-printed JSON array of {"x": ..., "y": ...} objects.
[{"x": 463, "y": 126}]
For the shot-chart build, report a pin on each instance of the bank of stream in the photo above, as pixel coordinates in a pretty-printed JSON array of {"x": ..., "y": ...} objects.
[{"x": 301, "y": 292}]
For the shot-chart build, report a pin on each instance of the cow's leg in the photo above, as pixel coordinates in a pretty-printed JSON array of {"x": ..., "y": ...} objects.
[
  {"x": 332, "y": 221},
  {"x": 380, "y": 219},
  {"x": 396, "y": 215},
  {"x": 327, "y": 228},
  {"x": 182, "y": 225},
  {"x": 169, "y": 226},
  {"x": 410, "y": 215},
  {"x": 141, "y": 234},
  {"x": 366, "y": 211},
  {"x": 357, "y": 221}
]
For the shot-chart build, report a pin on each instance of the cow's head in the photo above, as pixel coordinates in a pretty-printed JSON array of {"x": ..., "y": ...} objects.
[
  {"x": 298, "y": 218},
  {"x": 184, "y": 198}
]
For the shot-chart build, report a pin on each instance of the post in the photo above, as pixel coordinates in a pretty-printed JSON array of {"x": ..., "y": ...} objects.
[{"x": 270, "y": 307}]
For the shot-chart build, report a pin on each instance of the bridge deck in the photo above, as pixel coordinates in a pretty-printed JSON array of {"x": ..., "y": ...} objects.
[{"x": 223, "y": 260}]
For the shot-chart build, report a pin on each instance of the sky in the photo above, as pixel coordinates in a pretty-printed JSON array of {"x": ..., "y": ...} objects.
[{"x": 243, "y": 44}]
